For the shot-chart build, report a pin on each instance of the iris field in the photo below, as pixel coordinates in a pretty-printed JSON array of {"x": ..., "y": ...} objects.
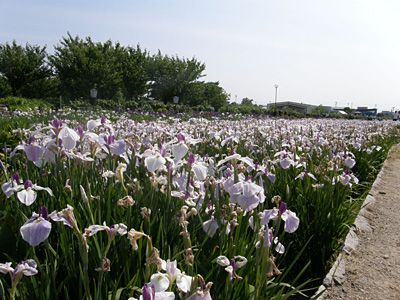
[{"x": 125, "y": 205}]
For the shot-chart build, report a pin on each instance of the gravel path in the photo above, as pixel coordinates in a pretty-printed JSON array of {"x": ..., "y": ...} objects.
[{"x": 370, "y": 264}]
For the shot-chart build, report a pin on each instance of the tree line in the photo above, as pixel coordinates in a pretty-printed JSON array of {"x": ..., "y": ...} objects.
[{"x": 116, "y": 71}]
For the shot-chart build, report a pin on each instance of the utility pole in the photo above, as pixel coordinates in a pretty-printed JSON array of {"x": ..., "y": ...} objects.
[{"x": 276, "y": 96}]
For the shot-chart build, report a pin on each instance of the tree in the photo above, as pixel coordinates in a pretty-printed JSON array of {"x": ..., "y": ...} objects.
[
  {"x": 82, "y": 64},
  {"x": 206, "y": 94},
  {"x": 172, "y": 76},
  {"x": 5, "y": 88},
  {"x": 215, "y": 95},
  {"x": 247, "y": 101},
  {"x": 318, "y": 111},
  {"x": 134, "y": 63},
  {"x": 26, "y": 70}
]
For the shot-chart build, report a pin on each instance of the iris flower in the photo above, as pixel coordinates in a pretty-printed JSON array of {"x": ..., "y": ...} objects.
[
  {"x": 37, "y": 228},
  {"x": 11, "y": 186},
  {"x": 27, "y": 268},
  {"x": 252, "y": 195},
  {"x": 26, "y": 193},
  {"x": 210, "y": 227},
  {"x": 232, "y": 265},
  {"x": 179, "y": 151},
  {"x": 163, "y": 281},
  {"x": 291, "y": 220},
  {"x": 149, "y": 293},
  {"x": 153, "y": 163}
]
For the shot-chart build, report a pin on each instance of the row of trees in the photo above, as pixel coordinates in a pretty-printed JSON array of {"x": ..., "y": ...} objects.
[{"x": 78, "y": 65}]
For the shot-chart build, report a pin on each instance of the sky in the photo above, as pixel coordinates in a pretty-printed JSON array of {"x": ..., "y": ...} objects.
[{"x": 330, "y": 52}]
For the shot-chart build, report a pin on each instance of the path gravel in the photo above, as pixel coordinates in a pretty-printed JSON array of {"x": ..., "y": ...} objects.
[{"x": 370, "y": 266}]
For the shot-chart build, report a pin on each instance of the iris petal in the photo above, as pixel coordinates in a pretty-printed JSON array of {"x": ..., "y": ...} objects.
[{"x": 35, "y": 231}]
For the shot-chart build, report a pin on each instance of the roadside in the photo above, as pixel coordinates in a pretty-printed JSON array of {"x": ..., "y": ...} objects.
[{"x": 370, "y": 264}]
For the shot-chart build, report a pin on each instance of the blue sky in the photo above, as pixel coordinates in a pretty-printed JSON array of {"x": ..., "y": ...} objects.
[{"x": 344, "y": 52}]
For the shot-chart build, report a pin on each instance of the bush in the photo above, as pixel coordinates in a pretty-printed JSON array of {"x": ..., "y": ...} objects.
[{"x": 17, "y": 103}]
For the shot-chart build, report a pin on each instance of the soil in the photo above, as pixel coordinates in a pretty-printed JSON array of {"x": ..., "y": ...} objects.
[{"x": 371, "y": 270}]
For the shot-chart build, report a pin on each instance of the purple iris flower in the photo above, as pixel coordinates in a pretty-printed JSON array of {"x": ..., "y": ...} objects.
[
  {"x": 79, "y": 130},
  {"x": 57, "y": 124},
  {"x": 282, "y": 208},
  {"x": 191, "y": 160},
  {"x": 181, "y": 137},
  {"x": 28, "y": 184},
  {"x": 15, "y": 177},
  {"x": 148, "y": 293},
  {"x": 37, "y": 228},
  {"x": 109, "y": 139}
]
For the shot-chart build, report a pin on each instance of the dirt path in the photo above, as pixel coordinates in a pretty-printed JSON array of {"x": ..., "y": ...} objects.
[{"x": 371, "y": 269}]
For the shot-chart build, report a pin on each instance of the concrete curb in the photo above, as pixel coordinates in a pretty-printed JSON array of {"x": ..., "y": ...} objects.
[{"x": 337, "y": 273}]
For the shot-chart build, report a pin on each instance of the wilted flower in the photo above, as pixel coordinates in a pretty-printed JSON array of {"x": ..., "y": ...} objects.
[
  {"x": 67, "y": 217},
  {"x": 232, "y": 265},
  {"x": 83, "y": 194},
  {"x": 145, "y": 213},
  {"x": 126, "y": 202},
  {"x": 272, "y": 268},
  {"x": 203, "y": 290},
  {"x": 154, "y": 258},
  {"x": 133, "y": 236},
  {"x": 67, "y": 187},
  {"x": 112, "y": 231},
  {"x": 105, "y": 265}
]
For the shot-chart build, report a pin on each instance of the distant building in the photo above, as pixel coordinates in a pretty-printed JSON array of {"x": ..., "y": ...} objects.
[
  {"x": 307, "y": 108},
  {"x": 365, "y": 111},
  {"x": 299, "y": 107},
  {"x": 302, "y": 108}
]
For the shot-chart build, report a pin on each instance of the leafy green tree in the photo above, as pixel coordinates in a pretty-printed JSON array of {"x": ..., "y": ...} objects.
[
  {"x": 5, "y": 88},
  {"x": 318, "y": 111},
  {"x": 215, "y": 95},
  {"x": 172, "y": 76},
  {"x": 82, "y": 64},
  {"x": 26, "y": 70},
  {"x": 247, "y": 101},
  {"x": 134, "y": 63}
]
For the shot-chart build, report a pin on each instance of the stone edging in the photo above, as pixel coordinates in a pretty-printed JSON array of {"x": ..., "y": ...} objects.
[{"x": 336, "y": 274}]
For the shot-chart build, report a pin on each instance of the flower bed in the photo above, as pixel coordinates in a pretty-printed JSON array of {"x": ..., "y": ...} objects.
[{"x": 113, "y": 206}]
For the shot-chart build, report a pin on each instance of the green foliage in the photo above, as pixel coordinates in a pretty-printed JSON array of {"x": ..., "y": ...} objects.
[
  {"x": 134, "y": 62},
  {"x": 18, "y": 103},
  {"x": 117, "y": 72},
  {"x": 26, "y": 71},
  {"x": 172, "y": 76},
  {"x": 246, "y": 101},
  {"x": 67, "y": 268},
  {"x": 318, "y": 111},
  {"x": 5, "y": 87},
  {"x": 82, "y": 64}
]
